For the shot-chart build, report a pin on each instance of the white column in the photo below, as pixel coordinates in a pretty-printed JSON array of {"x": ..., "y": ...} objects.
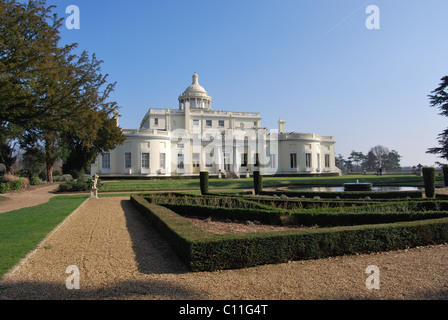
[{"x": 236, "y": 161}]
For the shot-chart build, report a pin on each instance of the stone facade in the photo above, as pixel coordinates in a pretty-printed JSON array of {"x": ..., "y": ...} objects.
[{"x": 194, "y": 138}]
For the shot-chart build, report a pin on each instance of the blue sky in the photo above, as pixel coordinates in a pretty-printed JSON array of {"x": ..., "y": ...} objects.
[{"x": 312, "y": 63}]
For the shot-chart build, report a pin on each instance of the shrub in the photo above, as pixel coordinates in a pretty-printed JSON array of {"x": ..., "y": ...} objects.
[
  {"x": 81, "y": 184},
  {"x": 5, "y": 187},
  {"x": 9, "y": 178},
  {"x": 258, "y": 182},
  {"x": 25, "y": 182},
  {"x": 429, "y": 179},
  {"x": 35, "y": 180},
  {"x": 16, "y": 185},
  {"x": 203, "y": 175},
  {"x": 64, "y": 177},
  {"x": 67, "y": 186}
]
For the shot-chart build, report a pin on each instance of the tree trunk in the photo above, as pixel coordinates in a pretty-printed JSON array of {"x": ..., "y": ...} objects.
[{"x": 50, "y": 157}]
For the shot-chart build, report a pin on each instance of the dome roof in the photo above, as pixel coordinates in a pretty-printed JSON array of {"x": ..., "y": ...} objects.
[{"x": 195, "y": 89}]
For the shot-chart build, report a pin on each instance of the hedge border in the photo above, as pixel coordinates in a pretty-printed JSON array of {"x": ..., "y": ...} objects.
[
  {"x": 202, "y": 251},
  {"x": 347, "y": 194}
]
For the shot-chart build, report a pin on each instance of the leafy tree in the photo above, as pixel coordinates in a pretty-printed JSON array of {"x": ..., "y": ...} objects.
[
  {"x": 339, "y": 161},
  {"x": 370, "y": 162},
  {"x": 348, "y": 164},
  {"x": 96, "y": 133},
  {"x": 357, "y": 158},
  {"x": 7, "y": 154},
  {"x": 34, "y": 160},
  {"x": 439, "y": 98},
  {"x": 381, "y": 153},
  {"x": 391, "y": 161},
  {"x": 8, "y": 145},
  {"x": 46, "y": 89},
  {"x": 29, "y": 40}
]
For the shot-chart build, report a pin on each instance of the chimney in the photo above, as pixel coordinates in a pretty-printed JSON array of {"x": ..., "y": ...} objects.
[{"x": 281, "y": 125}]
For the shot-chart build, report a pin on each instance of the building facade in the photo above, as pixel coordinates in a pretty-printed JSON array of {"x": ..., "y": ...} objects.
[{"x": 194, "y": 138}]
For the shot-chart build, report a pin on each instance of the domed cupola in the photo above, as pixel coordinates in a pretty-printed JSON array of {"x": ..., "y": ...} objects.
[{"x": 196, "y": 96}]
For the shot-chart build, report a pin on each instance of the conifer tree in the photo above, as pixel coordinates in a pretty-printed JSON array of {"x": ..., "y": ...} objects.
[{"x": 439, "y": 98}]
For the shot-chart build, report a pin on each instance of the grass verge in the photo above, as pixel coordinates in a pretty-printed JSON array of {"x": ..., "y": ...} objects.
[{"x": 22, "y": 230}]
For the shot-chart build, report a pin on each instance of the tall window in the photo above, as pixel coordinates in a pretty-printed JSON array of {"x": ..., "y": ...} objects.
[
  {"x": 162, "y": 160},
  {"x": 221, "y": 123},
  {"x": 327, "y": 161},
  {"x": 244, "y": 159},
  {"x": 156, "y": 122},
  {"x": 106, "y": 161},
  {"x": 180, "y": 161},
  {"x": 308, "y": 160},
  {"x": 127, "y": 160},
  {"x": 257, "y": 159},
  {"x": 293, "y": 160},
  {"x": 145, "y": 160},
  {"x": 272, "y": 163},
  {"x": 196, "y": 157},
  {"x": 208, "y": 123},
  {"x": 209, "y": 159}
]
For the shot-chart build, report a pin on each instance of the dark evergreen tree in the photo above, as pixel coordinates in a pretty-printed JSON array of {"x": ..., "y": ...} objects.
[{"x": 439, "y": 99}]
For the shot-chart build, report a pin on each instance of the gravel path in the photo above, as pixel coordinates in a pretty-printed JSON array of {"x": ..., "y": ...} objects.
[{"x": 120, "y": 256}]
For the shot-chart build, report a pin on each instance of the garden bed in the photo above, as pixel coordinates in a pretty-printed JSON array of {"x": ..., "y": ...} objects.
[
  {"x": 204, "y": 251},
  {"x": 216, "y": 226}
]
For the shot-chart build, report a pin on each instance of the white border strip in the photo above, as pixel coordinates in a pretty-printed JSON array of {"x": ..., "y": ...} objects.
[{"x": 40, "y": 244}]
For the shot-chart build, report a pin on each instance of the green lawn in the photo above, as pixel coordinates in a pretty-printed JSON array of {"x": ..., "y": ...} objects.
[
  {"x": 22, "y": 230},
  {"x": 193, "y": 184}
]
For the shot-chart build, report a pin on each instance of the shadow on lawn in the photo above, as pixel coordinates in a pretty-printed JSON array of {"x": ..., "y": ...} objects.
[{"x": 152, "y": 251}]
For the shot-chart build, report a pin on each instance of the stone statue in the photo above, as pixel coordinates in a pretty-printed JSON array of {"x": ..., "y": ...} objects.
[{"x": 94, "y": 190}]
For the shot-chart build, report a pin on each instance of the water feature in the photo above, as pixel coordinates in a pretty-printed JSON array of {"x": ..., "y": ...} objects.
[{"x": 364, "y": 186}]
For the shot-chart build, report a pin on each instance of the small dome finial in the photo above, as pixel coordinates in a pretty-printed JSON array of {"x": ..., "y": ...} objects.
[{"x": 195, "y": 78}]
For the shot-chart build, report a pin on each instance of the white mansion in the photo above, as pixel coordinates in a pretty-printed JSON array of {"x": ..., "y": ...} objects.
[{"x": 194, "y": 138}]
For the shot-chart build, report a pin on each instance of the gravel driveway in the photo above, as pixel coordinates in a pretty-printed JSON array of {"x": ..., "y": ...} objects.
[{"x": 120, "y": 256}]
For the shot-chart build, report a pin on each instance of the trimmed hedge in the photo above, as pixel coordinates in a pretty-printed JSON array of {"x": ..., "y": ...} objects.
[
  {"x": 319, "y": 213},
  {"x": 202, "y": 251},
  {"x": 203, "y": 179},
  {"x": 310, "y": 218},
  {"x": 429, "y": 180},
  {"x": 258, "y": 182},
  {"x": 239, "y": 251},
  {"x": 347, "y": 194}
]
